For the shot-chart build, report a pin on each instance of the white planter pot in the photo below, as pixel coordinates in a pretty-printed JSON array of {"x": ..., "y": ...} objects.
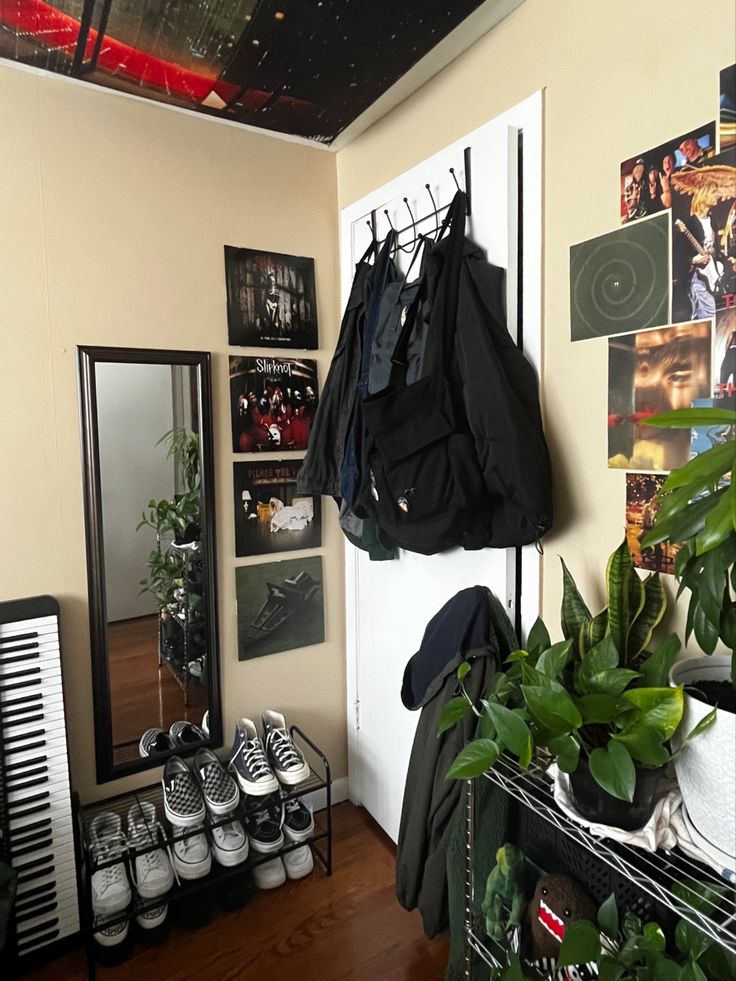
[{"x": 706, "y": 767}]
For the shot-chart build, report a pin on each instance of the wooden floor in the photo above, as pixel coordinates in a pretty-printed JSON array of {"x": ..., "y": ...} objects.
[{"x": 345, "y": 928}]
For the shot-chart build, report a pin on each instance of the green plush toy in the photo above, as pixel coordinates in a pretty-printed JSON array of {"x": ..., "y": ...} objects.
[{"x": 505, "y": 899}]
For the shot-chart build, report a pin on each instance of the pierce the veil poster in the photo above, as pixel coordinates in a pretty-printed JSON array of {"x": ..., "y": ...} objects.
[
  {"x": 280, "y": 606},
  {"x": 269, "y": 514},
  {"x": 271, "y": 299},
  {"x": 273, "y": 402}
]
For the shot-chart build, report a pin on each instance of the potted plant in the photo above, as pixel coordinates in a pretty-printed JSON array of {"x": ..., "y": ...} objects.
[
  {"x": 598, "y": 701},
  {"x": 698, "y": 512}
]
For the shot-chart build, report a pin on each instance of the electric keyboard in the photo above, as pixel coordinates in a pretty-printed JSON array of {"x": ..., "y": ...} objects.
[{"x": 36, "y": 822}]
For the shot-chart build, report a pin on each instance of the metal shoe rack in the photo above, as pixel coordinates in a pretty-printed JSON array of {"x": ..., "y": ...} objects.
[
  {"x": 320, "y": 843},
  {"x": 641, "y": 880}
]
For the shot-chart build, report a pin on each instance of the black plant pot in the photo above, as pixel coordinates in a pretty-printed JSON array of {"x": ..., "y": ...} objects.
[{"x": 595, "y": 804}]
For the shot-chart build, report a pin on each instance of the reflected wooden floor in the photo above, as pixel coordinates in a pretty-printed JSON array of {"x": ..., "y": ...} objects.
[
  {"x": 144, "y": 695},
  {"x": 345, "y": 928}
]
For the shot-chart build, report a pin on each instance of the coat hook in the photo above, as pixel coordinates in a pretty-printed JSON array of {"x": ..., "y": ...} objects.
[
  {"x": 414, "y": 228},
  {"x": 452, "y": 171},
  {"x": 434, "y": 210},
  {"x": 396, "y": 235}
]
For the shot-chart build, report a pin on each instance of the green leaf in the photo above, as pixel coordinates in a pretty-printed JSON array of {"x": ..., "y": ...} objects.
[
  {"x": 600, "y": 707},
  {"x": 602, "y": 657},
  {"x": 651, "y": 613},
  {"x": 661, "y": 708},
  {"x": 718, "y": 523},
  {"x": 581, "y": 944},
  {"x": 453, "y": 711},
  {"x": 463, "y": 670},
  {"x": 632, "y": 925},
  {"x": 553, "y": 660},
  {"x": 625, "y": 595},
  {"x": 613, "y": 769},
  {"x": 608, "y": 917},
  {"x": 512, "y": 730},
  {"x": 566, "y": 751},
  {"x": 706, "y": 632},
  {"x": 655, "y": 669},
  {"x": 705, "y": 723},
  {"x": 666, "y": 969},
  {"x": 645, "y": 745},
  {"x": 474, "y": 759},
  {"x": 525, "y": 756},
  {"x": 516, "y": 656},
  {"x": 655, "y": 940},
  {"x": 592, "y": 632},
  {"x": 690, "y": 940},
  {"x": 555, "y": 710},
  {"x": 688, "y": 418},
  {"x": 704, "y": 897},
  {"x": 612, "y": 682},
  {"x": 682, "y": 520},
  {"x": 538, "y": 639},
  {"x": 574, "y": 612},
  {"x": 709, "y": 466}
]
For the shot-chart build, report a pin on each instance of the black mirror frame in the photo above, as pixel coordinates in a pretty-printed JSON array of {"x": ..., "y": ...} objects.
[{"x": 88, "y": 357}]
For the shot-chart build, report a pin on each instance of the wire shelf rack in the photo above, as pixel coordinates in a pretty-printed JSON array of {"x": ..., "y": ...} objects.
[{"x": 653, "y": 873}]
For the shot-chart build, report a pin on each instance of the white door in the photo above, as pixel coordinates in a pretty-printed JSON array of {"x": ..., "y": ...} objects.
[{"x": 390, "y": 603}]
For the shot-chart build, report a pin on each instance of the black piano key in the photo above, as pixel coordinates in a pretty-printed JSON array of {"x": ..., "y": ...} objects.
[
  {"x": 34, "y": 705},
  {"x": 39, "y": 894},
  {"x": 22, "y": 763},
  {"x": 34, "y": 864},
  {"x": 33, "y": 826},
  {"x": 46, "y": 938},
  {"x": 21, "y": 684},
  {"x": 13, "y": 805},
  {"x": 37, "y": 696},
  {"x": 15, "y": 638},
  {"x": 16, "y": 658},
  {"x": 30, "y": 876},
  {"x": 38, "y": 928},
  {"x": 22, "y": 721},
  {"x": 7, "y": 649},
  {"x": 38, "y": 809},
  {"x": 33, "y": 734},
  {"x": 21, "y": 674},
  {"x": 23, "y": 779},
  {"x": 40, "y": 842},
  {"x": 42, "y": 911},
  {"x": 20, "y": 748}
]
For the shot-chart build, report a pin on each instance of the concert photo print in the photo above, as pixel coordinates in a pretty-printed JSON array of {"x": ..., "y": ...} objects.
[
  {"x": 273, "y": 402},
  {"x": 271, "y": 299},
  {"x": 269, "y": 514},
  {"x": 641, "y": 511}
]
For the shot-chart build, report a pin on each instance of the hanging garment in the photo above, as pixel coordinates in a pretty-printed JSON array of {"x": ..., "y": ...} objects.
[
  {"x": 320, "y": 470},
  {"x": 472, "y": 626},
  {"x": 459, "y": 456}
]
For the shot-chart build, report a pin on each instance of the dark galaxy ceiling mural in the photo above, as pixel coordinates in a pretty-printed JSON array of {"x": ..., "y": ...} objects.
[{"x": 306, "y": 67}]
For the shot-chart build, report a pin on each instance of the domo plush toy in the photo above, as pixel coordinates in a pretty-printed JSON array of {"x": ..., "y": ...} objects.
[{"x": 557, "y": 901}]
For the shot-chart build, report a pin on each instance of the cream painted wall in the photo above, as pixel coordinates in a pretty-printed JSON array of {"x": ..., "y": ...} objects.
[
  {"x": 113, "y": 217},
  {"x": 618, "y": 80}
]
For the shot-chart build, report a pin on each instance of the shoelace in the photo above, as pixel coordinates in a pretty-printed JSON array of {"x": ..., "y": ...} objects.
[
  {"x": 255, "y": 759},
  {"x": 143, "y": 836},
  {"x": 111, "y": 847},
  {"x": 283, "y": 748}
]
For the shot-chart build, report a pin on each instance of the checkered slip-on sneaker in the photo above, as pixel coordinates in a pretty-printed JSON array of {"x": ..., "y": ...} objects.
[
  {"x": 286, "y": 761},
  {"x": 298, "y": 821},
  {"x": 155, "y": 742},
  {"x": 220, "y": 792},
  {"x": 248, "y": 763},
  {"x": 183, "y": 803},
  {"x": 187, "y": 734}
]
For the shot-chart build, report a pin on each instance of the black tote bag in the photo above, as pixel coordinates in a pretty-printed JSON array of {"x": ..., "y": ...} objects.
[{"x": 426, "y": 482}]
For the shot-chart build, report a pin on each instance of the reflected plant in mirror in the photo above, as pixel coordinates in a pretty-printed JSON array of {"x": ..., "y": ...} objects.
[{"x": 147, "y": 455}]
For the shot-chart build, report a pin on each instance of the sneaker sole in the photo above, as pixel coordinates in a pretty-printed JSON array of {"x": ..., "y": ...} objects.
[
  {"x": 269, "y": 881},
  {"x": 266, "y": 847},
  {"x": 301, "y": 870},
  {"x": 114, "y": 909},
  {"x": 190, "y": 871},
  {"x": 259, "y": 789},
  {"x": 230, "y": 858},
  {"x": 292, "y": 777},
  {"x": 183, "y": 820},
  {"x": 299, "y": 836},
  {"x": 151, "y": 922},
  {"x": 118, "y": 938}
]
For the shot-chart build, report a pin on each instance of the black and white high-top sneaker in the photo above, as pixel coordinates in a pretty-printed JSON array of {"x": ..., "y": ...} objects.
[
  {"x": 287, "y": 762},
  {"x": 183, "y": 803},
  {"x": 298, "y": 820},
  {"x": 248, "y": 763},
  {"x": 220, "y": 792}
]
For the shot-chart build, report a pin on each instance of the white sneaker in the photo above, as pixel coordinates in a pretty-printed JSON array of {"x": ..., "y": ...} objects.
[
  {"x": 270, "y": 875},
  {"x": 285, "y": 759},
  {"x": 110, "y": 886},
  {"x": 299, "y": 862},
  {"x": 149, "y": 919},
  {"x": 230, "y": 843},
  {"x": 192, "y": 859},
  {"x": 113, "y": 935},
  {"x": 153, "y": 874}
]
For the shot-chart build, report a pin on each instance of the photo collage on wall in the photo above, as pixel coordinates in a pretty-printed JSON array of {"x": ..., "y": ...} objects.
[
  {"x": 662, "y": 290},
  {"x": 271, "y": 303}
]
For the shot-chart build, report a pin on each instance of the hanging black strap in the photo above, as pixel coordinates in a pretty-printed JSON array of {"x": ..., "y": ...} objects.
[{"x": 373, "y": 247}]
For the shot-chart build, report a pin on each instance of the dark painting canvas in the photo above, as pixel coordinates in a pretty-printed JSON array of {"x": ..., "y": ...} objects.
[
  {"x": 271, "y": 299},
  {"x": 269, "y": 514},
  {"x": 273, "y": 402},
  {"x": 621, "y": 281},
  {"x": 280, "y": 606}
]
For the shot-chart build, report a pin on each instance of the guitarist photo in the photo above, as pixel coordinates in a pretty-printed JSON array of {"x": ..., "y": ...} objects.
[{"x": 698, "y": 238}]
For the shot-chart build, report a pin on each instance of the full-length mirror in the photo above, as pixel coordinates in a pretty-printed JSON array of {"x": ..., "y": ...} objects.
[{"x": 149, "y": 506}]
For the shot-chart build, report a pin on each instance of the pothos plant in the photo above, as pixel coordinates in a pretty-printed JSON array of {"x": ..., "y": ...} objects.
[
  {"x": 600, "y": 692},
  {"x": 169, "y": 519}
]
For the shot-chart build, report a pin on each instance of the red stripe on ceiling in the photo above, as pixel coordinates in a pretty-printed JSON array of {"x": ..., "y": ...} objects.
[{"x": 56, "y": 30}]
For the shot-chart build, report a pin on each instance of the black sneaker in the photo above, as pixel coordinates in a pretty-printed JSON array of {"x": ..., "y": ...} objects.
[
  {"x": 156, "y": 742},
  {"x": 186, "y": 734},
  {"x": 298, "y": 820},
  {"x": 263, "y": 821},
  {"x": 220, "y": 792},
  {"x": 183, "y": 803},
  {"x": 248, "y": 763},
  {"x": 287, "y": 762}
]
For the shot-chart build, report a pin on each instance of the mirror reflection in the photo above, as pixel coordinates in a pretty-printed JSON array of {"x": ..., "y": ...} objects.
[{"x": 155, "y": 637}]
